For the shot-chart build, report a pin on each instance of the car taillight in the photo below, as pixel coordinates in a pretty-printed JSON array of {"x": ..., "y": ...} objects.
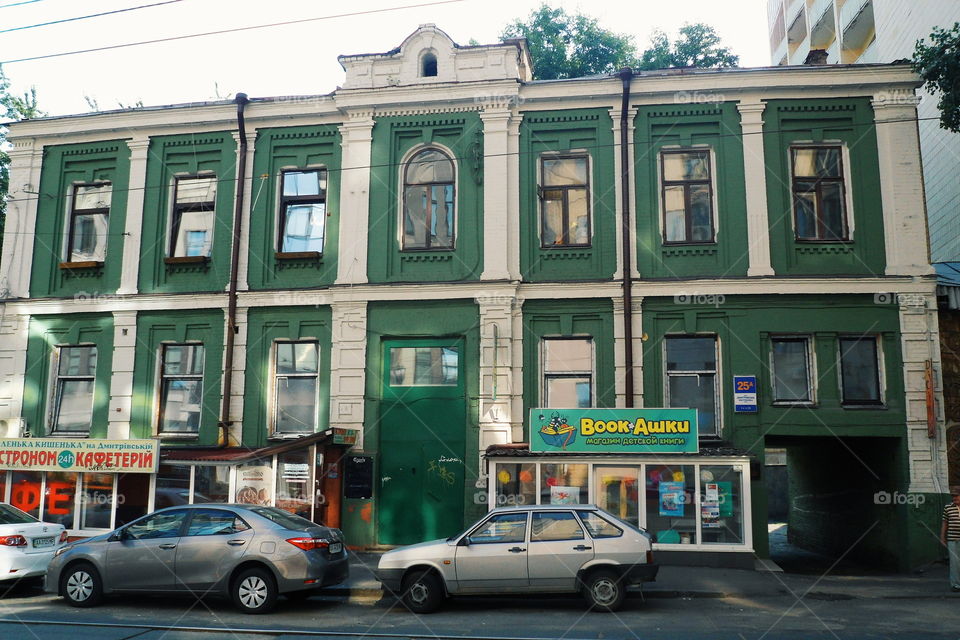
[
  {"x": 13, "y": 541},
  {"x": 63, "y": 536},
  {"x": 649, "y": 556},
  {"x": 309, "y": 543}
]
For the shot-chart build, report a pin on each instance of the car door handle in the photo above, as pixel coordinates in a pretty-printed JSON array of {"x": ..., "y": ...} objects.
[
  {"x": 581, "y": 547},
  {"x": 236, "y": 543},
  {"x": 168, "y": 545},
  {"x": 516, "y": 550}
]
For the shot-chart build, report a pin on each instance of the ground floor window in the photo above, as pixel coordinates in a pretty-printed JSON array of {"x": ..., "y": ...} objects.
[{"x": 698, "y": 502}]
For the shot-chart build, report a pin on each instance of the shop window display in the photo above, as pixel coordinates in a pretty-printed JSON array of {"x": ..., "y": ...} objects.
[
  {"x": 671, "y": 509},
  {"x": 26, "y": 491},
  {"x": 294, "y": 483},
  {"x": 564, "y": 484},
  {"x": 617, "y": 492},
  {"x": 173, "y": 486},
  {"x": 60, "y": 498},
  {"x": 96, "y": 501},
  {"x": 516, "y": 484},
  {"x": 133, "y": 493},
  {"x": 211, "y": 483},
  {"x": 721, "y": 499}
]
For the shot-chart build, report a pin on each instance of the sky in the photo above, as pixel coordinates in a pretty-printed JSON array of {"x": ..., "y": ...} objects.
[{"x": 286, "y": 60}]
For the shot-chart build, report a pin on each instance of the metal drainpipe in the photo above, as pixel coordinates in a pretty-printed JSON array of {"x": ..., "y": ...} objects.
[
  {"x": 626, "y": 75},
  {"x": 224, "y": 425}
]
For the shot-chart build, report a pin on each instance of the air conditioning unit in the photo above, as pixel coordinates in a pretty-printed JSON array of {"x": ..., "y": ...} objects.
[{"x": 13, "y": 427}]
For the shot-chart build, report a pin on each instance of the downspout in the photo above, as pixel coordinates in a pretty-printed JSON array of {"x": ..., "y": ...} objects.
[
  {"x": 223, "y": 438},
  {"x": 626, "y": 75}
]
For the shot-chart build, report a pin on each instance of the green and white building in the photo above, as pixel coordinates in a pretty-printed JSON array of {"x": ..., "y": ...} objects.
[{"x": 414, "y": 261}]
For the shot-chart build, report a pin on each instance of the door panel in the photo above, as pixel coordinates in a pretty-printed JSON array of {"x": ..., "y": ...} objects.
[
  {"x": 146, "y": 557},
  {"x": 214, "y": 543},
  {"x": 558, "y": 548},
  {"x": 495, "y": 560},
  {"x": 422, "y": 440}
]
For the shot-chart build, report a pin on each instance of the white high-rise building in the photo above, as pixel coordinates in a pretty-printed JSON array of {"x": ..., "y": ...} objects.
[{"x": 870, "y": 31}]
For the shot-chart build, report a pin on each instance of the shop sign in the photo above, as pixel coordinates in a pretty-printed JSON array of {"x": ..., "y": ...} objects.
[
  {"x": 745, "y": 394},
  {"x": 255, "y": 483},
  {"x": 49, "y": 454},
  {"x": 614, "y": 430},
  {"x": 344, "y": 436}
]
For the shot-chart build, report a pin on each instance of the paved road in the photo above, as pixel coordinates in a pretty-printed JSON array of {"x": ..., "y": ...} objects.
[{"x": 29, "y": 615}]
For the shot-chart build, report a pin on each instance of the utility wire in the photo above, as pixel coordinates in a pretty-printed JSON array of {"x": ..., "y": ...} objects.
[
  {"x": 92, "y": 15},
  {"x": 17, "y": 4},
  {"x": 233, "y": 30}
]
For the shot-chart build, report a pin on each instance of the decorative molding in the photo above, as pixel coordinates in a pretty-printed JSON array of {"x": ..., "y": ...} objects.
[
  {"x": 426, "y": 257},
  {"x": 195, "y": 141},
  {"x": 674, "y": 252},
  {"x": 816, "y": 108},
  {"x": 547, "y": 118},
  {"x": 833, "y": 250},
  {"x": 327, "y": 131},
  {"x": 552, "y": 254},
  {"x": 113, "y": 148},
  {"x": 426, "y": 111},
  {"x": 684, "y": 111},
  {"x": 440, "y": 122}
]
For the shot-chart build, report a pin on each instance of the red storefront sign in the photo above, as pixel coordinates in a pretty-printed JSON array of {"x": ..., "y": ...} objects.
[{"x": 49, "y": 454}]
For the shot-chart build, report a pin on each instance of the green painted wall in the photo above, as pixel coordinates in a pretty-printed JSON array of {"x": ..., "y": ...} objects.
[
  {"x": 264, "y": 326},
  {"x": 64, "y": 166},
  {"x": 171, "y": 156},
  {"x": 155, "y": 328},
  {"x": 46, "y": 333},
  {"x": 587, "y": 130},
  {"x": 552, "y": 318},
  {"x": 849, "y": 121},
  {"x": 422, "y": 319},
  {"x": 292, "y": 148},
  {"x": 460, "y": 135},
  {"x": 700, "y": 126}
]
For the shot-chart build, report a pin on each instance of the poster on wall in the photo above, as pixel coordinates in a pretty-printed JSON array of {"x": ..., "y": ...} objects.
[
  {"x": 726, "y": 499},
  {"x": 614, "y": 430},
  {"x": 564, "y": 495},
  {"x": 672, "y": 499},
  {"x": 255, "y": 484},
  {"x": 710, "y": 507}
]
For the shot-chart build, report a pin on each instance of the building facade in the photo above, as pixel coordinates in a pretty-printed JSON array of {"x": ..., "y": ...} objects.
[
  {"x": 870, "y": 31},
  {"x": 412, "y": 263}
]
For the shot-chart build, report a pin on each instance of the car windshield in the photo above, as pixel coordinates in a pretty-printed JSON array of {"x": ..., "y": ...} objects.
[
  {"x": 12, "y": 515},
  {"x": 283, "y": 518}
]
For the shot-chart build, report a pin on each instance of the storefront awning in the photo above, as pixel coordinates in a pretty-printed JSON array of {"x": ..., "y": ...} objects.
[{"x": 234, "y": 455}]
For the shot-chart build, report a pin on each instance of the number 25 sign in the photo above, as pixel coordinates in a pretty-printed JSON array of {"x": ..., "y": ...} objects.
[{"x": 744, "y": 394}]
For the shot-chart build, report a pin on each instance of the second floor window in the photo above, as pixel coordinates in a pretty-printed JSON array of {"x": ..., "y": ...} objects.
[
  {"x": 193, "y": 216},
  {"x": 181, "y": 388},
  {"x": 303, "y": 211},
  {"x": 428, "y": 201},
  {"x": 73, "y": 390},
  {"x": 564, "y": 202},
  {"x": 567, "y": 366},
  {"x": 691, "y": 368},
  {"x": 687, "y": 197},
  {"x": 295, "y": 387},
  {"x": 860, "y": 370},
  {"x": 790, "y": 370},
  {"x": 89, "y": 221},
  {"x": 819, "y": 198}
]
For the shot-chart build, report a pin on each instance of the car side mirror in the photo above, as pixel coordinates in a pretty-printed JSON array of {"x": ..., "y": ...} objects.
[
  {"x": 118, "y": 535},
  {"x": 464, "y": 541}
]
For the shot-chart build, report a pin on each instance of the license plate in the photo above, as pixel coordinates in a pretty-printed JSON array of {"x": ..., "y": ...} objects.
[
  {"x": 43, "y": 542},
  {"x": 336, "y": 547}
]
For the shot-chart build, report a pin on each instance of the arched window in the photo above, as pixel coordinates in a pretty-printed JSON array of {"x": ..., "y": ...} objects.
[
  {"x": 428, "y": 65},
  {"x": 428, "y": 197}
]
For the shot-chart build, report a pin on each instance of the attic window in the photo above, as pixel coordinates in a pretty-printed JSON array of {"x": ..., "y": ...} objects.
[{"x": 428, "y": 65}]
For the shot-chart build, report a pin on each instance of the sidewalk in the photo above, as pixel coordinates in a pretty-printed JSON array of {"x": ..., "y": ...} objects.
[{"x": 703, "y": 582}]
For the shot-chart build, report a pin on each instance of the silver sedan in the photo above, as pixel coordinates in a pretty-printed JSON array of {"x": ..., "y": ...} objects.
[{"x": 248, "y": 553}]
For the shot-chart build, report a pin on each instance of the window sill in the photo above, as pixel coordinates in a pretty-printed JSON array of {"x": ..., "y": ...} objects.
[
  {"x": 288, "y": 436},
  {"x": 186, "y": 260},
  {"x": 798, "y": 403},
  {"x": 69, "y": 434},
  {"x": 88, "y": 264},
  {"x": 297, "y": 255},
  {"x": 178, "y": 436},
  {"x": 864, "y": 407}
]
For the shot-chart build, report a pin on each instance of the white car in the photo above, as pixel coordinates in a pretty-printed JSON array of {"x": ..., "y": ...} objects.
[{"x": 26, "y": 544}]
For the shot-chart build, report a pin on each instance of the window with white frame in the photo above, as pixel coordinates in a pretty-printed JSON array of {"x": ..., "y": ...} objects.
[
  {"x": 819, "y": 193},
  {"x": 303, "y": 211},
  {"x": 687, "y": 194},
  {"x": 791, "y": 370},
  {"x": 75, "y": 380},
  {"x": 564, "y": 201},
  {"x": 568, "y": 372},
  {"x": 429, "y": 198},
  {"x": 89, "y": 222},
  {"x": 181, "y": 389},
  {"x": 860, "y": 382},
  {"x": 295, "y": 387},
  {"x": 691, "y": 379},
  {"x": 193, "y": 216}
]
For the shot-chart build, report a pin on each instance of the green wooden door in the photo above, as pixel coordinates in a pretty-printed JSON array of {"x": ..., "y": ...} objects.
[{"x": 422, "y": 440}]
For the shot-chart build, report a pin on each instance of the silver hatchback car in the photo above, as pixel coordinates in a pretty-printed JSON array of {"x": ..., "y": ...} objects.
[
  {"x": 534, "y": 549},
  {"x": 248, "y": 553}
]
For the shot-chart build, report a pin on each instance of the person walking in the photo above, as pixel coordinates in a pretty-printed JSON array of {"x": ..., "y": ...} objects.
[{"x": 950, "y": 537}]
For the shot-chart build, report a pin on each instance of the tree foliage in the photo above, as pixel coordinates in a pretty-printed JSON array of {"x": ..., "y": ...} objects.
[
  {"x": 12, "y": 107},
  {"x": 573, "y": 46},
  {"x": 938, "y": 63}
]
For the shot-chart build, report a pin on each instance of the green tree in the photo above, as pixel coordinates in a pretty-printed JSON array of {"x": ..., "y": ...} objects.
[
  {"x": 938, "y": 63},
  {"x": 570, "y": 46},
  {"x": 698, "y": 45},
  {"x": 12, "y": 107}
]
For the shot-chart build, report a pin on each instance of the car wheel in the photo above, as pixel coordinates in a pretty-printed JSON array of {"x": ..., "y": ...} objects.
[
  {"x": 254, "y": 591},
  {"x": 604, "y": 591},
  {"x": 81, "y": 586},
  {"x": 422, "y": 592}
]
